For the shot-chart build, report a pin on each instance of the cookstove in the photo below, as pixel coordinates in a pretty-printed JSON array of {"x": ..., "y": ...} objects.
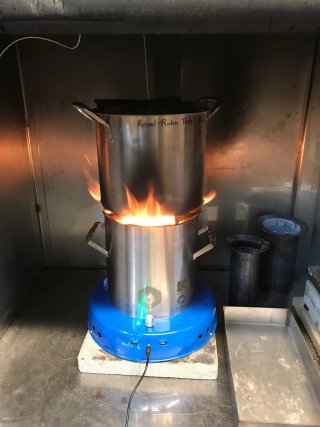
[{"x": 151, "y": 167}]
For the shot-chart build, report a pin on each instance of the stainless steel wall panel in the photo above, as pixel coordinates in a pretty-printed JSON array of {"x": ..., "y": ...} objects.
[
  {"x": 62, "y": 141},
  {"x": 252, "y": 143},
  {"x": 20, "y": 243},
  {"x": 307, "y": 203}
]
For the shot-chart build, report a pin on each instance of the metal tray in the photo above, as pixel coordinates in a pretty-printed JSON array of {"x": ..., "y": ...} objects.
[{"x": 274, "y": 379}]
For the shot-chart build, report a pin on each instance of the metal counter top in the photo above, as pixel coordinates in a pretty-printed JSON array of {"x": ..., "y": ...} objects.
[{"x": 40, "y": 384}]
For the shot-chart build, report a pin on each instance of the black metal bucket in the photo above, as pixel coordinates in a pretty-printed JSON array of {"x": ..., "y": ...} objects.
[
  {"x": 244, "y": 269},
  {"x": 277, "y": 266}
]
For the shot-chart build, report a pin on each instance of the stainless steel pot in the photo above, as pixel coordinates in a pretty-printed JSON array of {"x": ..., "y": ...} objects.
[
  {"x": 151, "y": 270},
  {"x": 138, "y": 145}
]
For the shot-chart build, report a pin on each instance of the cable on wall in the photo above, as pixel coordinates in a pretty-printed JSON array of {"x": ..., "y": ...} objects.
[{"x": 40, "y": 38}]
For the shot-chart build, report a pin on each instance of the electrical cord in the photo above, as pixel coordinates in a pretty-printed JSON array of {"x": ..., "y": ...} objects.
[
  {"x": 41, "y": 38},
  {"x": 148, "y": 352}
]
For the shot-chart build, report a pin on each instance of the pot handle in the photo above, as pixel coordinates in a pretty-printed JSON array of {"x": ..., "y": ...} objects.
[
  {"x": 91, "y": 115},
  {"x": 212, "y": 105},
  {"x": 210, "y": 245},
  {"x": 91, "y": 243}
]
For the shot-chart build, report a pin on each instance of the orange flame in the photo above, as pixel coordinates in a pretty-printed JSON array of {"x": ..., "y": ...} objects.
[
  {"x": 93, "y": 184},
  {"x": 147, "y": 212},
  {"x": 207, "y": 198}
]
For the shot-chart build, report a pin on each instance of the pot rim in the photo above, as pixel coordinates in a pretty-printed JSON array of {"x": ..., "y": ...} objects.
[
  {"x": 138, "y": 115},
  {"x": 153, "y": 107}
]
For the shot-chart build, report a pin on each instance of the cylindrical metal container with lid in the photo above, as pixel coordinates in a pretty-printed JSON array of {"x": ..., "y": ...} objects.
[
  {"x": 157, "y": 143},
  {"x": 244, "y": 268},
  {"x": 277, "y": 265}
]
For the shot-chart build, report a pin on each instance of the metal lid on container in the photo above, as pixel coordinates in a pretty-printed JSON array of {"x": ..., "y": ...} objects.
[{"x": 281, "y": 226}]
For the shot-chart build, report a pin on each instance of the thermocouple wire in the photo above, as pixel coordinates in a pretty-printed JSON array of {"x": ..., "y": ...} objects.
[
  {"x": 148, "y": 352},
  {"x": 146, "y": 65},
  {"x": 40, "y": 38}
]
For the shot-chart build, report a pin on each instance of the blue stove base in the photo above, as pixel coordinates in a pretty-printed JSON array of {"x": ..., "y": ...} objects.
[{"x": 170, "y": 338}]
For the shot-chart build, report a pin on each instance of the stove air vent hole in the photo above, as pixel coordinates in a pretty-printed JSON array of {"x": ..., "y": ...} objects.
[
  {"x": 163, "y": 342},
  {"x": 134, "y": 342},
  {"x": 208, "y": 329},
  {"x": 200, "y": 337},
  {"x": 99, "y": 334},
  {"x": 93, "y": 328}
]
